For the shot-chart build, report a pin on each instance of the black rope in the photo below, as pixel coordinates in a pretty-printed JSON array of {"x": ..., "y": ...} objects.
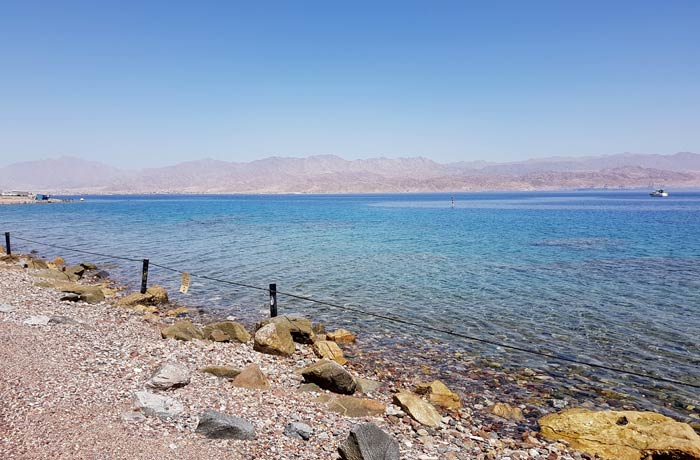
[{"x": 392, "y": 319}]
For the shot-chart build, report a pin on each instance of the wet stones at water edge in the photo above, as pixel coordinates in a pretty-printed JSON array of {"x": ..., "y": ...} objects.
[
  {"x": 421, "y": 411},
  {"x": 341, "y": 335},
  {"x": 216, "y": 425},
  {"x": 272, "y": 339},
  {"x": 155, "y": 295},
  {"x": 330, "y": 376},
  {"x": 440, "y": 395},
  {"x": 300, "y": 329},
  {"x": 369, "y": 442},
  {"x": 508, "y": 412},
  {"x": 171, "y": 375},
  {"x": 623, "y": 435}
]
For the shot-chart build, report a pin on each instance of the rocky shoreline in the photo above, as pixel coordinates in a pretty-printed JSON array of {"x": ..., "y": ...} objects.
[{"x": 88, "y": 372}]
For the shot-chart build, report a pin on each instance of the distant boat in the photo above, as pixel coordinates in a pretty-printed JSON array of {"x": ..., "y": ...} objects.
[
  {"x": 659, "y": 193},
  {"x": 82, "y": 199}
]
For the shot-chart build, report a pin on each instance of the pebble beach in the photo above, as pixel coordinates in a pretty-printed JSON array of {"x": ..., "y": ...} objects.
[{"x": 96, "y": 376}]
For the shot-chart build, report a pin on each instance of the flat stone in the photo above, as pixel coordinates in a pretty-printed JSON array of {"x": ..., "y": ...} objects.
[
  {"x": 622, "y": 435},
  {"x": 39, "y": 320},
  {"x": 155, "y": 405},
  {"x": 37, "y": 264},
  {"x": 54, "y": 275},
  {"x": 60, "y": 319},
  {"x": 133, "y": 416},
  {"x": 309, "y": 388},
  {"x": 421, "y": 411},
  {"x": 85, "y": 293},
  {"x": 252, "y": 378},
  {"x": 6, "y": 309},
  {"x": 154, "y": 295},
  {"x": 274, "y": 340},
  {"x": 341, "y": 335},
  {"x": 171, "y": 375},
  {"x": 222, "y": 371},
  {"x": 298, "y": 430},
  {"x": 329, "y": 350},
  {"x": 75, "y": 270},
  {"x": 216, "y": 425},
  {"x": 440, "y": 395},
  {"x": 331, "y": 376},
  {"x": 369, "y": 442},
  {"x": 182, "y": 330},
  {"x": 351, "y": 406},
  {"x": 367, "y": 386}
]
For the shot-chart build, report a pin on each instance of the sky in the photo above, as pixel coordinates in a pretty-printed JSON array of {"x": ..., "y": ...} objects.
[{"x": 140, "y": 84}]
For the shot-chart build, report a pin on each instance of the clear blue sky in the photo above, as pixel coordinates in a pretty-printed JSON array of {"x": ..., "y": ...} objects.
[{"x": 152, "y": 83}]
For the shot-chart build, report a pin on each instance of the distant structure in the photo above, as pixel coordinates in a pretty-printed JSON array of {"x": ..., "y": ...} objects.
[{"x": 16, "y": 193}]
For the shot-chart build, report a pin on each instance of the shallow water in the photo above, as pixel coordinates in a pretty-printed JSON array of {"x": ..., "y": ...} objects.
[{"x": 607, "y": 277}]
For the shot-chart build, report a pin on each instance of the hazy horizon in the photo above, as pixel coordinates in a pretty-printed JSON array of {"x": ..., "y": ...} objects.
[{"x": 161, "y": 83}]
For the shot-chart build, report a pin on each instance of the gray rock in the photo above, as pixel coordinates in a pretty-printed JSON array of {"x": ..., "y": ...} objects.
[
  {"x": 369, "y": 442},
  {"x": 298, "y": 430},
  {"x": 133, "y": 416},
  {"x": 331, "y": 376},
  {"x": 6, "y": 309},
  {"x": 37, "y": 320},
  {"x": 60, "y": 319},
  {"x": 216, "y": 425},
  {"x": 170, "y": 376},
  {"x": 156, "y": 405}
]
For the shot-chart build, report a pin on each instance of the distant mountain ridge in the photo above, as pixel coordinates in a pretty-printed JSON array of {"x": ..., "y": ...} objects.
[{"x": 333, "y": 174}]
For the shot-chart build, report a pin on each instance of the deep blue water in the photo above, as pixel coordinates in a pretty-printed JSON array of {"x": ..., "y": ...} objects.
[{"x": 608, "y": 277}]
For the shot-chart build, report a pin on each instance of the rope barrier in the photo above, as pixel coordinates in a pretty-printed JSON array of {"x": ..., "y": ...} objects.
[{"x": 393, "y": 319}]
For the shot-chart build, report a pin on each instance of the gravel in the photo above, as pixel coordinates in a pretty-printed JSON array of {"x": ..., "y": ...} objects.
[{"x": 67, "y": 391}]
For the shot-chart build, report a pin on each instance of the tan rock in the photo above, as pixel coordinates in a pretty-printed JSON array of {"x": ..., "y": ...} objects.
[
  {"x": 226, "y": 331},
  {"x": 351, "y": 406},
  {"x": 222, "y": 371},
  {"x": 330, "y": 376},
  {"x": 179, "y": 311},
  {"x": 300, "y": 329},
  {"x": 329, "y": 350},
  {"x": 37, "y": 264},
  {"x": 508, "y": 412},
  {"x": 623, "y": 435},
  {"x": 440, "y": 395},
  {"x": 252, "y": 378},
  {"x": 155, "y": 295},
  {"x": 341, "y": 335},
  {"x": 182, "y": 330},
  {"x": 421, "y": 411},
  {"x": 54, "y": 275},
  {"x": 58, "y": 262},
  {"x": 274, "y": 340},
  {"x": 85, "y": 293}
]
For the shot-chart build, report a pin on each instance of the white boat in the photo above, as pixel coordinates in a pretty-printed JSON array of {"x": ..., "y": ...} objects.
[{"x": 659, "y": 193}]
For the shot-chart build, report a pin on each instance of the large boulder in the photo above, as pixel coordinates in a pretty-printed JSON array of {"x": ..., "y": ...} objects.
[
  {"x": 171, "y": 375},
  {"x": 421, "y": 411},
  {"x": 182, "y": 330},
  {"x": 154, "y": 295},
  {"x": 156, "y": 405},
  {"x": 440, "y": 395},
  {"x": 226, "y": 331},
  {"x": 84, "y": 293},
  {"x": 252, "y": 378},
  {"x": 331, "y": 376},
  {"x": 369, "y": 442},
  {"x": 329, "y": 350},
  {"x": 623, "y": 435},
  {"x": 300, "y": 329},
  {"x": 216, "y": 425},
  {"x": 274, "y": 340},
  {"x": 351, "y": 406}
]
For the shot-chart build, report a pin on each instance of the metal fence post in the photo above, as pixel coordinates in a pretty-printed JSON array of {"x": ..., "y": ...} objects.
[
  {"x": 273, "y": 300},
  {"x": 8, "y": 250},
  {"x": 144, "y": 276}
]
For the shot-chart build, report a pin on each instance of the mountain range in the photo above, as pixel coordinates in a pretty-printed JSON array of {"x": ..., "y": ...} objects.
[{"x": 333, "y": 174}]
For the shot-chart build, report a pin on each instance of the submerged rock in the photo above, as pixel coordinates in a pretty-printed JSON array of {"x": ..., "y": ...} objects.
[
  {"x": 341, "y": 335},
  {"x": 369, "y": 442},
  {"x": 623, "y": 435},
  {"x": 507, "y": 412},
  {"x": 440, "y": 395},
  {"x": 216, "y": 425}
]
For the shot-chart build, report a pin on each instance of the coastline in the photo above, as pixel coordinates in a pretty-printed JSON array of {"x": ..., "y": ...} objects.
[{"x": 72, "y": 397}]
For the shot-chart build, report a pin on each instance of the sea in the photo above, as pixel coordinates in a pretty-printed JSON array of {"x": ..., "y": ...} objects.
[{"x": 609, "y": 278}]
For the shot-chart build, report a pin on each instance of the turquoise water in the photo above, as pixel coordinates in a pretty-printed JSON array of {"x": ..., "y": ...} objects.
[{"x": 607, "y": 277}]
